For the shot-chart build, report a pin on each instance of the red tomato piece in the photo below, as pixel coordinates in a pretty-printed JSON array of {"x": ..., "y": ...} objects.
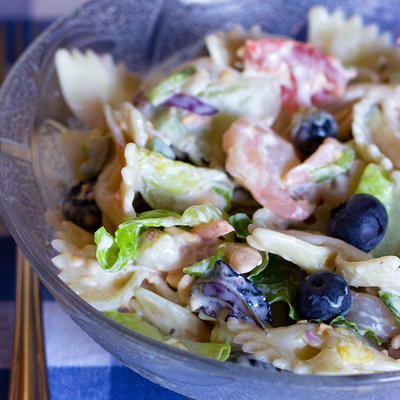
[{"x": 309, "y": 77}]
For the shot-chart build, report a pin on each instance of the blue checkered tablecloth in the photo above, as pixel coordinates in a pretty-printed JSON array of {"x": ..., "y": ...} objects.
[{"x": 78, "y": 368}]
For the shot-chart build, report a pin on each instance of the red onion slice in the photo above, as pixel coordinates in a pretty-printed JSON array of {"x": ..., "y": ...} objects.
[{"x": 190, "y": 103}]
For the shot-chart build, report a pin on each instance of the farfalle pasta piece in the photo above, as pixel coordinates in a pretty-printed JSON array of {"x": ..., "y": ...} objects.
[
  {"x": 89, "y": 80},
  {"x": 68, "y": 231},
  {"x": 310, "y": 257},
  {"x": 382, "y": 272},
  {"x": 126, "y": 124},
  {"x": 312, "y": 252},
  {"x": 311, "y": 348},
  {"x": 338, "y": 246},
  {"x": 376, "y": 126},
  {"x": 80, "y": 270},
  {"x": 350, "y": 40}
]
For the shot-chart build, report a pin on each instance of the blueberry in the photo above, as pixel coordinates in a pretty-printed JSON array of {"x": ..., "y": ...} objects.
[
  {"x": 323, "y": 296},
  {"x": 80, "y": 206},
  {"x": 310, "y": 127},
  {"x": 360, "y": 221}
]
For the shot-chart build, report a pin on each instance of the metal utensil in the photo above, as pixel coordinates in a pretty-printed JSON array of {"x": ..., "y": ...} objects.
[
  {"x": 28, "y": 373},
  {"x": 28, "y": 379}
]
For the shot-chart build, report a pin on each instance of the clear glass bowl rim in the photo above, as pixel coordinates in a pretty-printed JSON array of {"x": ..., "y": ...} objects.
[{"x": 199, "y": 362}]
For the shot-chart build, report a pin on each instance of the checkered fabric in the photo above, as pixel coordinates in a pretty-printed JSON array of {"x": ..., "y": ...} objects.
[{"x": 78, "y": 368}]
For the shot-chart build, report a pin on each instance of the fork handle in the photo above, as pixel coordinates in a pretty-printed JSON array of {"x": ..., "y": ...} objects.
[{"x": 28, "y": 372}]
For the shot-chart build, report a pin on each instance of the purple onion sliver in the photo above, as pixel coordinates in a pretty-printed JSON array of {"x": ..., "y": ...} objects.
[
  {"x": 312, "y": 339},
  {"x": 190, "y": 103}
]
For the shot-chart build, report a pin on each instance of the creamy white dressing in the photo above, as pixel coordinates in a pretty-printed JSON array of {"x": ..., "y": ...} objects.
[{"x": 153, "y": 283}]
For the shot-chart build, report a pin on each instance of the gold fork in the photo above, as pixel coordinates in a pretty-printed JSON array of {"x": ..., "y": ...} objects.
[
  {"x": 28, "y": 379},
  {"x": 28, "y": 372}
]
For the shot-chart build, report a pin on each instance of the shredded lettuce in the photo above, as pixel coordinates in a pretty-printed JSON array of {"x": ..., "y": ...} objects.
[
  {"x": 134, "y": 322},
  {"x": 343, "y": 164},
  {"x": 340, "y": 321},
  {"x": 107, "y": 249},
  {"x": 203, "y": 266},
  {"x": 169, "y": 86},
  {"x": 377, "y": 182},
  {"x": 392, "y": 302},
  {"x": 170, "y": 184},
  {"x": 158, "y": 145},
  {"x": 240, "y": 222},
  {"x": 279, "y": 282},
  {"x": 167, "y": 121},
  {"x": 245, "y": 96},
  {"x": 184, "y": 138},
  {"x": 218, "y": 351},
  {"x": 115, "y": 253}
]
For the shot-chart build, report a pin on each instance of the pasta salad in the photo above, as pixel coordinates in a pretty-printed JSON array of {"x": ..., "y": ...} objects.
[{"x": 244, "y": 205}]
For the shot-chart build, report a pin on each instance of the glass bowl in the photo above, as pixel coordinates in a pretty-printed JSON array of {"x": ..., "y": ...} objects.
[{"x": 33, "y": 175}]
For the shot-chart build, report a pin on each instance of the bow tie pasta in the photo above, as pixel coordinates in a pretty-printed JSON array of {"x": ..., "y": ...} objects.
[{"x": 243, "y": 205}]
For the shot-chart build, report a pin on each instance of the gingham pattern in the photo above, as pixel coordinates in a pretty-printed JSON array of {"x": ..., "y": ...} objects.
[{"x": 78, "y": 368}]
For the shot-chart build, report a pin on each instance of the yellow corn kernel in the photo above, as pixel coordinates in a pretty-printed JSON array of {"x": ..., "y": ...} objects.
[{"x": 354, "y": 354}]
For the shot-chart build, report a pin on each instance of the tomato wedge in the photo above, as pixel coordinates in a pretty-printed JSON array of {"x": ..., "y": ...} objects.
[{"x": 309, "y": 77}]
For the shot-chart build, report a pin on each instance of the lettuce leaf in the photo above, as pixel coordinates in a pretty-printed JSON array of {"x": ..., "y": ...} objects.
[
  {"x": 240, "y": 222},
  {"x": 279, "y": 282},
  {"x": 170, "y": 184},
  {"x": 184, "y": 138},
  {"x": 218, "y": 351},
  {"x": 377, "y": 182},
  {"x": 203, "y": 266},
  {"x": 169, "y": 86},
  {"x": 260, "y": 268},
  {"x": 158, "y": 145},
  {"x": 246, "y": 96},
  {"x": 340, "y": 321},
  {"x": 343, "y": 164},
  {"x": 114, "y": 253},
  {"x": 134, "y": 322},
  {"x": 392, "y": 302}
]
